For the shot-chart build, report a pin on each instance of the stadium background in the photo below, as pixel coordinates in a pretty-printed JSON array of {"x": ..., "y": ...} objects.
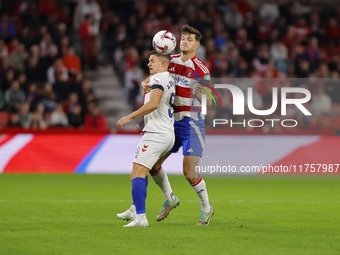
[
  {"x": 63, "y": 120},
  {"x": 74, "y": 84}
]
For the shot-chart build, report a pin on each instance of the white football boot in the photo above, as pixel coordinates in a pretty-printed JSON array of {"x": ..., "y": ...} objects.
[
  {"x": 139, "y": 221},
  {"x": 129, "y": 214}
]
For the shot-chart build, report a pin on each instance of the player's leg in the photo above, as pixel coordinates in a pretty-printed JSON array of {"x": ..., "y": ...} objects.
[
  {"x": 139, "y": 183},
  {"x": 130, "y": 213},
  {"x": 161, "y": 179},
  {"x": 142, "y": 157},
  {"x": 197, "y": 182},
  {"x": 151, "y": 148},
  {"x": 193, "y": 146}
]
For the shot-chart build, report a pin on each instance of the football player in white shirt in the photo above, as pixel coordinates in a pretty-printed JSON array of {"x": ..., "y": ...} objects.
[
  {"x": 158, "y": 138},
  {"x": 187, "y": 70}
]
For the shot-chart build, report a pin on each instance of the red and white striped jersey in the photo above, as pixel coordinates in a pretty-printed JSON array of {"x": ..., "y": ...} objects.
[{"x": 186, "y": 74}]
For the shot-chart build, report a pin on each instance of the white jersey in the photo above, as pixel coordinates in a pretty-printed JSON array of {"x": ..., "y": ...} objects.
[{"x": 161, "y": 120}]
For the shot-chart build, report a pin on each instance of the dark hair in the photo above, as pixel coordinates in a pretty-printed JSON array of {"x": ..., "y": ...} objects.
[
  {"x": 191, "y": 30},
  {"x": 164, "y": 56}
]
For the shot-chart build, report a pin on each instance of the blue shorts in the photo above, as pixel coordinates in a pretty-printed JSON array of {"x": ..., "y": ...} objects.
[{"x": 190, "y": 134}]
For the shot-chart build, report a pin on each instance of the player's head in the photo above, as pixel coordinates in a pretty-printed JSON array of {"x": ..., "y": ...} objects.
[
  {"x": 190, "y": 39},
  {"x": 158, "y": 62}
]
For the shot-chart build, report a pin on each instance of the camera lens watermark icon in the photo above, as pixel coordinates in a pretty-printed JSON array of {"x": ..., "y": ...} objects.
[{"x": 204, "y": 97}]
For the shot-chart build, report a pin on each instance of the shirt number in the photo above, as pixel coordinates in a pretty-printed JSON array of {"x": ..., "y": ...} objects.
[{"x": 172, "y": 105}]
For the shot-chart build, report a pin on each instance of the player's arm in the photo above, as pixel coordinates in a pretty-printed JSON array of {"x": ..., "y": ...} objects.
[
  {"x": 198, "y": 91},
  {"x": 150, "y": 106}
]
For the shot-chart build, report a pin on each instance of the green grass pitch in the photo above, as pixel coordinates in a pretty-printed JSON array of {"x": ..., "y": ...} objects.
[{"x": 76, "y": 214}]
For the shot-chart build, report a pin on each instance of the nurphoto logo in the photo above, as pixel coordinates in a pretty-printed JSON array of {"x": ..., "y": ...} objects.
[{"x": 238, "y": 103}]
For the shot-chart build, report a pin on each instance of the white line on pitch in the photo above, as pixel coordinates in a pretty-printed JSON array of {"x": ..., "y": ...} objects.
[{"x": 160, "y": 201}]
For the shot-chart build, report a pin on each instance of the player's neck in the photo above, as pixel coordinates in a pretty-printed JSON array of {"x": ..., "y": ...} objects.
[
  {"x": 187, "y": 55},
  {"x": 161, "y": 71}
]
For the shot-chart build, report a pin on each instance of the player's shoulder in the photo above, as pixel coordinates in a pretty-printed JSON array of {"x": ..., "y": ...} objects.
[
  {"x": 197, "y": 60},
  {"x": 199, "y": 65},
  {"x": 160, "y": 78},
  {"x": 156, "y": 78},
  {"x": 160, "y": 75},
  {"x": 175, "y": 57},
  {"x": 201, "y": 68}
]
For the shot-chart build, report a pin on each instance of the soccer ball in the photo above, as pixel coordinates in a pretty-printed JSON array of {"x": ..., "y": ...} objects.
[{"x": 164, "y": 42}]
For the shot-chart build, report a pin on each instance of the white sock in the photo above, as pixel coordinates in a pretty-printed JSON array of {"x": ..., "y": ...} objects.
[
  {"x": 161, "y": 179},
  {"x": 201, "y": 191}
]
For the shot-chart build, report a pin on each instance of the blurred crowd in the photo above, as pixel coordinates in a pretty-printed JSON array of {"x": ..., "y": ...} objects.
[
  {"x": 41, "y": 77},
  {"x": 297, "y": 41}
]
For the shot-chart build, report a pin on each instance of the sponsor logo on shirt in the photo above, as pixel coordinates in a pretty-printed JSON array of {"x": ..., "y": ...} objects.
[{"x": 181, "y": 82}]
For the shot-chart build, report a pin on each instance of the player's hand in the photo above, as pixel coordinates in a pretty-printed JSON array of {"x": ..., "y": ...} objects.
[
  {"x": 196, "y": 90},
  {"x": 123, "y": 121},
  {"x": 145, "y": 85}
]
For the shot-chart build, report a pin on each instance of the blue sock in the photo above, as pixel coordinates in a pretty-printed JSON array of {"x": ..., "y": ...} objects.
[
  {"x": 139, "y": 194},
  {"x": 147, "y": 182}
]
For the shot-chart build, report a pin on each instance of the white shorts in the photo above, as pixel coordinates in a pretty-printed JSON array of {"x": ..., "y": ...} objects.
[{"x": 152, "y": 147}]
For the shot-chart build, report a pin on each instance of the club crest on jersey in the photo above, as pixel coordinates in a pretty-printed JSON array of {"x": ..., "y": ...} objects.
[{"x": 189, "y": 73}]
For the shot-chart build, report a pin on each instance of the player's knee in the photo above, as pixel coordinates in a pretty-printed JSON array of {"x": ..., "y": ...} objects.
[
  {"x": 191, "y": 180},
  {"x": 189, "y": 177},
  {"x": 155, "y": 168},
  {"x": 132, "y": 176}
]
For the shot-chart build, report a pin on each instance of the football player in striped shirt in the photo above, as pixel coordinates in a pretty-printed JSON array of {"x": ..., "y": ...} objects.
[{"x": 187, "y": 70}]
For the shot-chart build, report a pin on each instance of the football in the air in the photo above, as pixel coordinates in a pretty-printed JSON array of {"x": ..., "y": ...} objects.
[{"x": 164, "y": 42}]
